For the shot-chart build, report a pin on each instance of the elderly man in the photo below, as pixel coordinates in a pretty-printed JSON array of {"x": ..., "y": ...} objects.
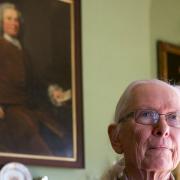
[{"x": 147, "y": 130}]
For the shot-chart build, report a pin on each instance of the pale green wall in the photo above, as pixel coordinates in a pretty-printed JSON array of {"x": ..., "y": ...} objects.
[
  {"x": 165, "y": 24},
  {"x": 116, "y": 50}
]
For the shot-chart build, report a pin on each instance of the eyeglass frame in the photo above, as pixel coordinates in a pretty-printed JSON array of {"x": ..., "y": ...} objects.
[{"x": 134, "y": 114}]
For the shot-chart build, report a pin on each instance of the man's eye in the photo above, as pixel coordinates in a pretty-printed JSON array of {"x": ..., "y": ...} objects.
[
  {"x": 146, "y": 114},
  {"x": 172, "y": 116},
  {"x": 8, "y": 18}
]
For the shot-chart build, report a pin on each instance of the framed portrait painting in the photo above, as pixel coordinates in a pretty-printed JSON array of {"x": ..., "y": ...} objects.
[
  {"x": 41, "y": 116},
  {"x": 168, "y": 62}
]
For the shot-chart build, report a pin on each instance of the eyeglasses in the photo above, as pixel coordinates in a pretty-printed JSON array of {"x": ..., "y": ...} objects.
[{"x": 150, "y": 117}]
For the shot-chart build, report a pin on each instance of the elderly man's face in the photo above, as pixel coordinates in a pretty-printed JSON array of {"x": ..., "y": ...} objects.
[
  {"x": 151, "y": 147},
  {"x": 11, "y": 22}
]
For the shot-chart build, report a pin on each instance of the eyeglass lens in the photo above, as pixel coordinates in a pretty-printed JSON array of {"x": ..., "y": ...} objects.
[{"x": 152, "y": 117}]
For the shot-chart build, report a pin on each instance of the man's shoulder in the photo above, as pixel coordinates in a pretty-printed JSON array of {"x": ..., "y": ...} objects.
[
  {"x": 3, "y": 42},
  {"x": 5, "y": 45}
]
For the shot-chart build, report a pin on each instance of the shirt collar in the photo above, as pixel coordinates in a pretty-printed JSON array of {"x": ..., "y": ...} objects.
[{"x": 14, "y": 41}]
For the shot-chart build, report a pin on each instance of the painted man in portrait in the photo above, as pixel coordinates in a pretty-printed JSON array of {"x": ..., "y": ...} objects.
[{"x": 24, "y": 127}]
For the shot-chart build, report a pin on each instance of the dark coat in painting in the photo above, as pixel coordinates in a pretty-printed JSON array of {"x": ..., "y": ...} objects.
[{"x": 19, "y": 130}]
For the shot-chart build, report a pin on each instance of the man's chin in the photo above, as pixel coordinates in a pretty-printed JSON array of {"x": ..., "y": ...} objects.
[
  {"x": 13, "y": 34},
  {"x": 161, "y": 164}
]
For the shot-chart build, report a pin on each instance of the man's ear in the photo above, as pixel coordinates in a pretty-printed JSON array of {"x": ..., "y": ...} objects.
[{"x": 114, "y": 136}]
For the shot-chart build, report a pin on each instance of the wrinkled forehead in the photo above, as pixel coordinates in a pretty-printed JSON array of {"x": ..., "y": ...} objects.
[{"x": 155, "y": 96}]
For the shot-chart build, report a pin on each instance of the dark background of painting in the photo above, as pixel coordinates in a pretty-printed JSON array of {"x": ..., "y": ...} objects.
[
  {"x": 46, "y": 39},
  {"x": 173, "y": 61}
]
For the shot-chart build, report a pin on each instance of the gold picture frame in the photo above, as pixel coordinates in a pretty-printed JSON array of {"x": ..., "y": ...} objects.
[
  {"x": 51, "y": 35},
  {"x": 168, "y": 62}
]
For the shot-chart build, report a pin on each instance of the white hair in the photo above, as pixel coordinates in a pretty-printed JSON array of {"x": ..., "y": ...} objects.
[{"x": 124, "y": 101}]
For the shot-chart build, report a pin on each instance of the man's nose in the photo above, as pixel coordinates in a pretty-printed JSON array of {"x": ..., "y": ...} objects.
[
  {"x": 161, "y": 128},
  {"x": 13, "y": 21}
]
